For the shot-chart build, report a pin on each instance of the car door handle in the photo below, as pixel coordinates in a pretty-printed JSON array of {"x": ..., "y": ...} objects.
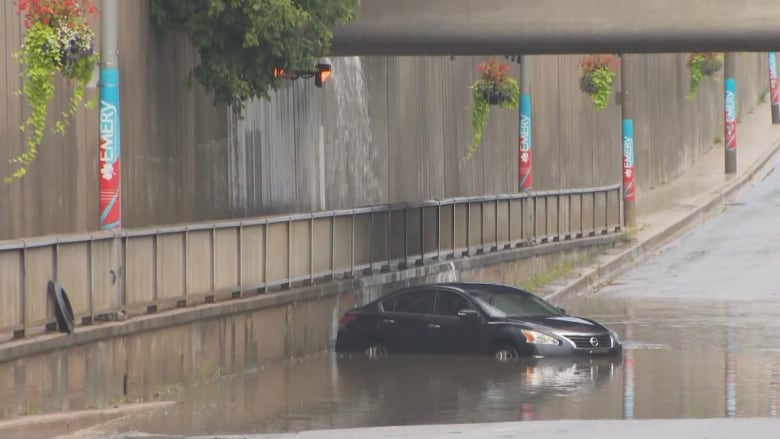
[
  {"x": 388, "y": 321},
  {"x": 434, "y": 325}
]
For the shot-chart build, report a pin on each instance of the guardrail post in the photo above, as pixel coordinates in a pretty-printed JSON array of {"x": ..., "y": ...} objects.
[
  {"x": 52, "y": 326},
  {"x": 405, "y": 262},
  {"x": 546, "y": 218},
  {"x": 22, "y": 333},
  {"x": 454, "y": 228},
  {"x": 593, "y": 233},
  {"x": 122, "y": 271},
  {"x": 311, "y": 249},
  {"x": 606, "y": 211},
  {"x": 481, "y": 227},
  {"x": 523, "y": 210},
  {"x": 468, "y": 229},
  {"x": 332, "y": 246},
  {"x": 211, "y": 297},
  {"x": 91, "y": 283},
  {"x": 558, "y": 215},
  {"x": 495, "y": 221},
  {"x": 570, "y": 235},
  {"x": 352, "y": 251},
  {"x": 421, "y": 261},
  {"x": 185, "y": 250},
  {"x": 288, "y": 284},
  {"x": 388, "y": 244},
  {"x": 438, "y": 231},
  {"x": 536, "y": 216},
  {"x": 156, "y": 264},
  {"x": 370, "y": 268},
  {"x": 582, "y": 215},
  {"x": 240, "y": 259}
]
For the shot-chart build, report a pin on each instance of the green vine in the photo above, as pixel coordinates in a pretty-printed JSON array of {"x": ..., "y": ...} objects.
[
  {"x": 493, "y": 85},
  {"x": 598, "y": 74},
  {"x": 57, "y": 40},
  {"x": 700, "y": 66}
]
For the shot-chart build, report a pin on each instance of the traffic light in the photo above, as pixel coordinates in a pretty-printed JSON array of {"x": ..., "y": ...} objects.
[{"x": 323, "y": 72}]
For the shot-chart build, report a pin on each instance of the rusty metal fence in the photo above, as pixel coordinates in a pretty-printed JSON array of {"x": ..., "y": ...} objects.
[{"x": 150, "y": 270}]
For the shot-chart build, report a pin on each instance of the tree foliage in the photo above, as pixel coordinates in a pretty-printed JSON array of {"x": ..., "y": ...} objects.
[{"x": 240, "y": 42}]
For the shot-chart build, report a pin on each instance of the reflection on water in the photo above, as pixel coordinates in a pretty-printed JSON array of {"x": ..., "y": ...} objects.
[{"x": 682, "y": 360}]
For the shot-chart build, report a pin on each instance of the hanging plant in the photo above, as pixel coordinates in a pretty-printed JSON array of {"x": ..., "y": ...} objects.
[
  {"x": 598, "y": 73},
  {"x": 701, "y": 65},
  {"x": 494, "y": 87},
  {"x": 57, "y": 40}
]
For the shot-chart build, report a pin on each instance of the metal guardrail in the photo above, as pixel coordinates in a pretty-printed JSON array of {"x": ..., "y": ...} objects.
[{"x": 152, "y": 269}]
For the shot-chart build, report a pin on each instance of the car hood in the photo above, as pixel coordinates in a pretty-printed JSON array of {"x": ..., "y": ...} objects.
[{"x": 562, "y": 323}]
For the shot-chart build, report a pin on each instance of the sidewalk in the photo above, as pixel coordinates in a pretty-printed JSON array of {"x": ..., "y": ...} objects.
[
  {"x": 615, "y": 429},
  {"x": 668, "y": 210}
]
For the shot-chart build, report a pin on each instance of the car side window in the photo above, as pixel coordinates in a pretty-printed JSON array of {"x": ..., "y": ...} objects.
[
  {"x": 415, "y": 302},
  {"x": 449, "y": 304}
]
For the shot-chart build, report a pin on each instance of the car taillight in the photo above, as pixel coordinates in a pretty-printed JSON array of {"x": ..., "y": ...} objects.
[{"x": 346, "y": 320}]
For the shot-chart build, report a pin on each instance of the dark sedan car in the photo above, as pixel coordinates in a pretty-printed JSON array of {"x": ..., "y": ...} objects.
[{"x": 470, "y": 319}]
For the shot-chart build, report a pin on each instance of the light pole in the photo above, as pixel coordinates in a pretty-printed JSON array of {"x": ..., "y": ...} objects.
[
  {"x": 730, "y": 113},
  {"x": 109, "y": 175},
  {"x": 525, "y": 153},
  {"x": 629, "y": 169}
]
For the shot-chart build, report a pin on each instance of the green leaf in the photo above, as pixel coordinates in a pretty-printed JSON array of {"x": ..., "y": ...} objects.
[{"x": 239, "y": 42}]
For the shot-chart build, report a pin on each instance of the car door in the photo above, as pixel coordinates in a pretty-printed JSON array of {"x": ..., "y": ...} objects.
[
  {"x": 450, "y": 333},
  {"x": 403, "y": 326}
]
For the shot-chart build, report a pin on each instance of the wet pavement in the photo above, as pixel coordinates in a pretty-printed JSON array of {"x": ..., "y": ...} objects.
[{"x": 699, "y": 321}]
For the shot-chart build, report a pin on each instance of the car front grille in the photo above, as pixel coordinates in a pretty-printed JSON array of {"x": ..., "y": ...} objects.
[{"x": 584, "y": 341}]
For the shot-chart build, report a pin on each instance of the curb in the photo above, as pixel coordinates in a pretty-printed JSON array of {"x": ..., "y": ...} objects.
[
  {"x": 70, "y": 422},
  {"x": 592, "y": 278}
]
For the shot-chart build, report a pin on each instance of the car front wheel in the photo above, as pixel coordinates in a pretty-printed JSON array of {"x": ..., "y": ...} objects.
[
  {"x": 375, "y": 349},
  {"x": 504, "y": 353}
]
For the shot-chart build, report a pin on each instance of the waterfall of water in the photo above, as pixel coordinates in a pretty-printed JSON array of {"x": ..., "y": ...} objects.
[{"x": 353, "y": 156}]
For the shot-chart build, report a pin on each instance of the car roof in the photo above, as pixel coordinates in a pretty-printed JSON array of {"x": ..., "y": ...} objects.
[{"x": 463, "y": 287}]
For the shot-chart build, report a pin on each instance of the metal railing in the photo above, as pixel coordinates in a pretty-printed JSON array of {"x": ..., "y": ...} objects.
[{"x": 152, "y": 269}]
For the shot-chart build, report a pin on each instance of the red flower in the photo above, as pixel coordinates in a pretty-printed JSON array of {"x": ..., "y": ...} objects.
[
  {"x": 590, "y": 63},
  {"x": 494, "y": 71},
  {"x": 50, "y": 12}
]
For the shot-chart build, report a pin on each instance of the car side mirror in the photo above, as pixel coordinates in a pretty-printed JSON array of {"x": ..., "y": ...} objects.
[
  {"x": 468, "y": 313},
  {"x": 561, "y": 309}
]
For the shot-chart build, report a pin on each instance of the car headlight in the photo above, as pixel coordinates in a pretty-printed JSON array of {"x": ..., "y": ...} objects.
[{"x": 539, "y": 338}]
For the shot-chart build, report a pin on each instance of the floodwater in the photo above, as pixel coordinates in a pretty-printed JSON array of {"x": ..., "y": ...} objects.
[{"x": 699, "y": 322}]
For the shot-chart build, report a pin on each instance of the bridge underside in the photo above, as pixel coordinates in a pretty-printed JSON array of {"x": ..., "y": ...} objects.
[{"x": 509, "y": 27}]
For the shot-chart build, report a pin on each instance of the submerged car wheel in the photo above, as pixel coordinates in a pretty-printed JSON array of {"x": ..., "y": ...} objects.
[
  {"x": 375, "y": 349},
  {"x": 505, "y": 353}
]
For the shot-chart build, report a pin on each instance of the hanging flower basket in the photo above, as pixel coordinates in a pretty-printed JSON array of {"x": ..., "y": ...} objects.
[
  {"x": 598, "y": 74},
  {"x": 702, "y": 65},
  {"x": 58, "y": 39},
  {"x": 494, "y": 87},
  {"x": 495, "y": 95}
]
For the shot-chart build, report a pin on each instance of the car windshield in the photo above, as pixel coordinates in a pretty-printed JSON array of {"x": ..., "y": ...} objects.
[{"x": 510, "y": 302}]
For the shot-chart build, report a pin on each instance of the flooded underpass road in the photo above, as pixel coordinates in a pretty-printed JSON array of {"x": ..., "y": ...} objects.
[{"x": 699, "y": 321}]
